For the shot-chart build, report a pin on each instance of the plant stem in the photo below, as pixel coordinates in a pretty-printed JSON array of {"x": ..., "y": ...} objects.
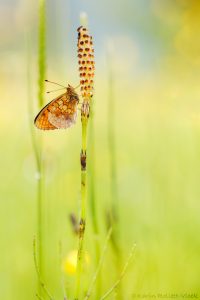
[
  {"x": 41, "y": 51},
  {"x": 86, "y": 59},
  {"x": 92, "y": 197},
  {"x": 114, "y": 214},
  {"x": 115, "y": 285},
  {"x": 39, "y": 213},
  {"x": 91, "y": 165},
  {"x": 39, "y": 297},
  {"x": 111, "y": 139},
  {"x": 41, "y": 79},
  {"x": 38, "y": 271},
  {"x": 99, "y": 266},
  {"x": 37, "y": 154},
  {"x": 30, "y": 105},
  {"x": 84, "y": 121}
]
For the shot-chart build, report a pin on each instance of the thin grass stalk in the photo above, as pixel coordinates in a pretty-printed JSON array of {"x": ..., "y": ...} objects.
[
  {"x": 42, "y": 284},
  {"x": 84, "y": 122},
  {"x": 36, "y": 151},
  {"x": 41, "y": 51},
  {"x": 37, "y": 154},
  {"x": 30, "y": 102},
  {"x": 114, "y": 213},
  {"x": 91, "y": 196},
  {"x": 39, "y": 297},
  {"x": 111, "y": 136},
  {"x": 86, "y": 69},
  {"x": 40, "y": 171},
  {"x": 99, "y": 266},
  {"x": 123, "y": 272},
  {"x": 92, "y": 172},
  {"x": 39, "y": 213}
]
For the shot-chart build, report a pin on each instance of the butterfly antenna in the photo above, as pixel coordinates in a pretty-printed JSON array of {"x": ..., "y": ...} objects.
[
  {"x": 55, "y": 83},
  {"x": 55, "y": 90},
  {"x": 77, "y": 86}
]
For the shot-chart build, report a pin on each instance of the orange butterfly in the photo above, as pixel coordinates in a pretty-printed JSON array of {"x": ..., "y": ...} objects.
[{"x": 61, "y": 112}]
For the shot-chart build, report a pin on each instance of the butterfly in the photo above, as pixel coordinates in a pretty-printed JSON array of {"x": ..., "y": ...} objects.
[{"x": 60, "y": 113}]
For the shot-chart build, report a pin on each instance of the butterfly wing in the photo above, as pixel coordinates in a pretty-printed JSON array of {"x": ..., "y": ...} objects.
[
  {"x": 64, "y": 121},
  {"x": 59, "y": 113}
]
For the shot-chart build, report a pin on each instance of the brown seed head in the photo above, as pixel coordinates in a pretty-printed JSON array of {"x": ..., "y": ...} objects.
[{"x": 86, "y": 62}]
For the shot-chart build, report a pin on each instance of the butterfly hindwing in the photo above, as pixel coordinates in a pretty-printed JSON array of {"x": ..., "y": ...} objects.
[{"x": 59, "y": 113}]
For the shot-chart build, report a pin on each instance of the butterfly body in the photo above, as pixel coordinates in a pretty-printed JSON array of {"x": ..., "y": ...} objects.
[{"x": 60, "y": 113}]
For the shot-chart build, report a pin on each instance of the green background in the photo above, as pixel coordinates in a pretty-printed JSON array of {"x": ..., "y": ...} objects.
[{"x": 151, "y": 49}]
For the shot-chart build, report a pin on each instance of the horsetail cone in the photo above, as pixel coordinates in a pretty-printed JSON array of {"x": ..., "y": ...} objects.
[{"x": 86, "y": 63}]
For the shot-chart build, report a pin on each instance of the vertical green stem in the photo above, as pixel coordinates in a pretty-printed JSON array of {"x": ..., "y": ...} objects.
[
  {"x": 39, "y": 215},
  {"x": 88, "y": 61},
  {"x": 114, "y": 215},
  {"x": 92, "y": 203},
  {"x": 84, "y": 120},
  {"x": 41, "y": 79},
  {"x": 92, "y": 199},
  {"x": 111, "y": 140},
  {"x": 37, "y": 155},
  {"x": 41, "y": 51}
]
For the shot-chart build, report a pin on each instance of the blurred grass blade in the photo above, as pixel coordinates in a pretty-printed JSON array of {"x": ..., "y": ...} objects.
[
  {"x": 92, "y": 195},
  {"x": 115, "y": 285},
  {"x": 43, "y": 286},
  {"x": 41, "y": 51},
  {"x": 113, "y": 215},
  {"x": 40, "y": 171},
  {"x": 88, "y": 294}
]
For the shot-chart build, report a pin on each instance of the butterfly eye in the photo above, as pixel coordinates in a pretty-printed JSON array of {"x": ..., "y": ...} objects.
[{"x": 75, "y": 97}]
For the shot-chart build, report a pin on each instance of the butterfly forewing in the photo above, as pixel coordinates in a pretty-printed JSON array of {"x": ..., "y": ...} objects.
[{"x": 59, "y": 113}]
